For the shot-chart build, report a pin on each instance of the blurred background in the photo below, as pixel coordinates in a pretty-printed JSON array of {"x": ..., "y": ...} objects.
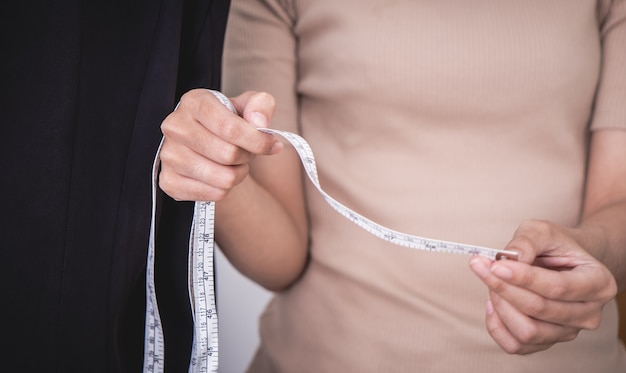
[{"x": 240, "y": 302}]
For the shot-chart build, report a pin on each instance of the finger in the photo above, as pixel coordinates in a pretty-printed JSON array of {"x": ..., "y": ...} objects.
[
  {"x": 503, "y": 336},
  {"x": 530, "y": 334},
  {"x": 585, "y": 282},
  {"x": 580, "y": 314},
  {"x": 187, "y": 163},
  {"x": 203, "y": 107},
  {"x": 545, "y": 243},
  {"x": 187, "y": 189},
  {"x": 201, "y": 141},
  {"x": 180, "y": 164},
  {"x": 256, "y": 107}
]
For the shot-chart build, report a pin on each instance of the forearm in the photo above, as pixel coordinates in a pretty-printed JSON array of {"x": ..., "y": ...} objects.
[
  {"x": 603, "y": 223},
  {"x": 260, "y": 236},
  {"x": 603, "y": 234}
]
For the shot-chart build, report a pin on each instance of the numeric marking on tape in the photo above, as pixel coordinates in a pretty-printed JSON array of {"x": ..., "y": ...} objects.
[
  {"x": 202, "y": 289},
  {"x": 201, "y": 285},
  {"x": 154, "y": 345},
  {"x": 204, "y": 354}
]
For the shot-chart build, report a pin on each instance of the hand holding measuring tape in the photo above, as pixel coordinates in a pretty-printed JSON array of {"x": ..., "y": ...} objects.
[{"x": 201, "y": 286}]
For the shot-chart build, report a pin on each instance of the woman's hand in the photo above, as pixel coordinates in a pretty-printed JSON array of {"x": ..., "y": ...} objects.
[
  {"x": 207, "y": 148},
  {"x": 554, "y": 291}
]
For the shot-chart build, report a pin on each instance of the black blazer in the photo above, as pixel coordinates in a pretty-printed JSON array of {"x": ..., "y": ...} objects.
[{"x": 85, "y": 87}]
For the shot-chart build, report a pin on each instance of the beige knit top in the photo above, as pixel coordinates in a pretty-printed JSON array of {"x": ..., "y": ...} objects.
[{"x": 450, "y": 119}]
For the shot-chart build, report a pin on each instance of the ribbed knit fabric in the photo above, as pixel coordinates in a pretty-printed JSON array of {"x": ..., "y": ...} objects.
[{"x": 452, "y": 119}]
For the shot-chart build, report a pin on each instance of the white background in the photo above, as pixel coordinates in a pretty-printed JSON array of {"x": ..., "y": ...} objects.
[{"x": 239, "y": 305}]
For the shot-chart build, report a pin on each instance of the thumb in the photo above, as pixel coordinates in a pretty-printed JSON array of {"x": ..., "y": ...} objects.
[
  {"x": 257, "y": 119},
  {"x": 256, "y": 107}
]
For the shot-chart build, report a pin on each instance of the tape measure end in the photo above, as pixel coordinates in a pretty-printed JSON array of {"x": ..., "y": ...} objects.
[{"x": 507, "y": 255}]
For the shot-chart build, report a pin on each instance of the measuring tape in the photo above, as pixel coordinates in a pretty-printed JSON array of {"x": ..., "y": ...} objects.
[
  {"x": 402, "y": 239},
  {"x": 201, "y": 285},
  {"x": 204, "y": 355},
  {"x": 154, "y": 346}
]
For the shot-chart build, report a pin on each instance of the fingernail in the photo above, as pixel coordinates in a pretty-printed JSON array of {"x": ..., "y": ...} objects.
[
  {"x": 258, "y": 119},
  {"x": 479, "y": 266},
  {"x": 501, "y": 271},
  {"x": 278, "y": 145}
]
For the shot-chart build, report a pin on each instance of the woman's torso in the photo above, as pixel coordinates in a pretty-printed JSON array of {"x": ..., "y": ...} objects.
[{"x": 452, "y": 120}]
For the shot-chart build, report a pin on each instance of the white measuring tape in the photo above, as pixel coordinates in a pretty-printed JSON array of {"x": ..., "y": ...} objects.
[
  {"x": 387, "y": 234},
  {"x": 201, "y": 285},
  {"x": 204, "y": 355},
  {"x": 154, "y": 346}
]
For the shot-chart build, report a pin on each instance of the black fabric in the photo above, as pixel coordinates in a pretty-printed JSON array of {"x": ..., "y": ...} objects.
[{"x": 84, "y": 89}]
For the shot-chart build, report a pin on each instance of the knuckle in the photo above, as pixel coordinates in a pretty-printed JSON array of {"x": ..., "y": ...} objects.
[
  {"x": 227, "y": 177},
  {"x": 498, "y": 287},
  {"x": 168, "y": 125},
  {"x": 166, "y": 156},
  {"x": 229, "y": 154},
  {"x": 528, "y": 334},
  {"x": 195, "y": 101},
  {"x": 225, "y": 180},
  {"x": 172, "y": 127},
  {"x": 526, "y": 279},
  {"x": 217, "y": 195},
  {"x": 538, "y": 308},
  {"x": 229, "y": 129},
  {"x": 558, "y": 290},
  {"x": 192, "y": 95},
  {"x": 186, "y": 100},
  {"x": 592, "y": 322}
]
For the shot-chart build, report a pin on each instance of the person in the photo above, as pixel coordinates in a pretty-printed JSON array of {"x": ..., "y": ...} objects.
[
  {"x": 86, "y": 87},
  {"x": 499, "y": 124}
]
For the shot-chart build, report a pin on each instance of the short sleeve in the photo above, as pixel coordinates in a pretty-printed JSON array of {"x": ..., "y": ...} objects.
[
  {"x": 260, "y": 55},
  {"x": 610, "y": 105}
]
